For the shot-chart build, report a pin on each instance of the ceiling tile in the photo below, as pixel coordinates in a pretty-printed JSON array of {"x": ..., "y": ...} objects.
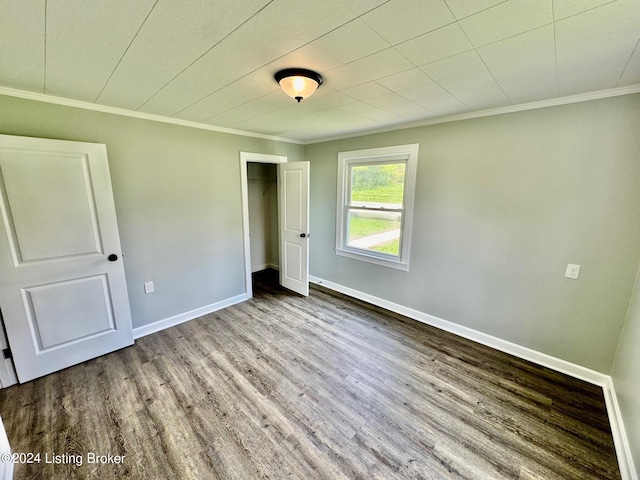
[
  {"x": 444, "y": 104},
  {"x": 189, "y": 90},
  {"x": 85, "y": 43},
  {"x": 465, "y": 77},
  {"x": 351, "y": 41},
  {"x": 344, "y": 77},
  {"x": 370, "y": 112},
  {"x": 330, "y": 100},
  {"x": 258, "y": 126},
  {"x": 278, "y": 97},
  {"x": 422, "y": 92},
  {"x": 442, "y": 43},
  {"x": 463, "y": 64},
  {"x": 171, "y": 39},
  {"x": 465, "y": 8},
  {"x": 530, "y": 88},
  {"x": 401, "y": 20},
  {"x": 305, "y": 20},
  {"x": 250, "y": 109},
  {"x": 326, "y": 123},
  {"x": 388, "y": 100},
  {"x": 184, "y": 90},
  {"x": 222, "y": 65},
  {"x": 175, "y": 35},
  {"x": 215, "y": 63},
  {"x": 360, "y": 7},
  {"x": 404, "y": 80},
  {"x": 516, "y": 61},
  {"x": 612, "y": 28},
  {"x": 409, "y": 110},
  {"x": 215, "y": 103},
  {"x": 65, "y": 84},
  {"x": 366, "y": 90},
  {"x": 275, "y": 116},
  {"x": 476, "y": 91},
  {"x": 293, "y": 23},
  {"x": 566, "y": 8},
  {"x": 22, "y": 27},
  {"x": 166, "y": 108},
  {"x": 593, "y": 48},
  {"x": 308, "y": 56},
  {"x": 631, "y": 74},
  {"x": 225, "y": 64},
  {"x": 131, "y": 99},
  {"x": 506, "y": 19},
  {"x": 323, "y": 99},
  {"x": 589, "y": 76},
  {"x": 382, "y": 64},
  {"x": 530, "y": 52},
  {"x": 254, "y": 85},
  {"x": 134, "y": 85}
]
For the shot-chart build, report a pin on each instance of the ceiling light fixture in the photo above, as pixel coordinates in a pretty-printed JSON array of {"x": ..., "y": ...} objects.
[{"x": 298, "y": 83}]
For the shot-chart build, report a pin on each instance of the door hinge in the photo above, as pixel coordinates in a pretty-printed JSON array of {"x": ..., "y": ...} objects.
[{"x": 7, "y": 353}]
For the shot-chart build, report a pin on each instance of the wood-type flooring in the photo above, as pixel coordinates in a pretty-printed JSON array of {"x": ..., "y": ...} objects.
[{"x": 324, "y": 387}]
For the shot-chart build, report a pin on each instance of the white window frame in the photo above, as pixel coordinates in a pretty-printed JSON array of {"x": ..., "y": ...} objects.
[{"x": 371, "y": 156}]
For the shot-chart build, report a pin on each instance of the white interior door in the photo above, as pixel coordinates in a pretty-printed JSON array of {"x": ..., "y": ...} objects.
[
  {"x": 293, "y": 200},
  {"x": 62, "y": 290}
]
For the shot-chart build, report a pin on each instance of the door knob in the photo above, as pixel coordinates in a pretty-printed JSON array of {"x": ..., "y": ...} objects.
[
  {"x": 113, "y": 257},
  {"x": 303, "y": 235}
]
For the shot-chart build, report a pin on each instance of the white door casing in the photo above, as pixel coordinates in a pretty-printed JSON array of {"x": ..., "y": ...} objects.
[
  {"x": 6, "y": 468},
  {"x": 62, "y": 300},
  {"x": 246, "y": 157},
  {"x": 293, "y": 201}
]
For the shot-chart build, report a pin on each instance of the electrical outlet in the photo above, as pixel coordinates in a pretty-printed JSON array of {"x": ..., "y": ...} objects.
[
  {"x": 572, "y": 271},
  {"x": 148, "y": 287}
]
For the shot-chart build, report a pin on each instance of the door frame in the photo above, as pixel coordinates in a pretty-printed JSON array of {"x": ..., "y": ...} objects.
[
  {"x": 8, "y": 375},
  {"x": 246, "y": 157}
]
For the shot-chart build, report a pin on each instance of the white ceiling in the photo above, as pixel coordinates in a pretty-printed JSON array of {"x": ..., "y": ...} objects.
[{"x": 384, "y": 62}]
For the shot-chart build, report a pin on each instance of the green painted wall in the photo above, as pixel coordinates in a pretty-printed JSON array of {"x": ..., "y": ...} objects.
[
  {"x": 177, "y": 195},
  {"x": 503, "y": 204}
]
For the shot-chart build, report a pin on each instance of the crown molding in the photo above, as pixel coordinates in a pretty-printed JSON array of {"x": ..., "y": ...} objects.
[
  {"x": 554, "y": 102},
  {"x": 582, "y": 97},
  {"x": 67, "y": 102}
]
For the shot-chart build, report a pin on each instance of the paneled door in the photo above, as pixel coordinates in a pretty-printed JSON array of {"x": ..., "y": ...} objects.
[
  {"x": 293, "y": 199},
  {"x": 63, "y": 293}
]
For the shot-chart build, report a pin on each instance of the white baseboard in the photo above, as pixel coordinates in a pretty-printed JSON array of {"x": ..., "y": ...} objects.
[
  {"x": 6, "y": 468},
  {"x": 186, "y": 316},
  {"x": 6, "y": 471},
  {"x": 534, "y": 356},
  {"x": 623, "y": 450}
]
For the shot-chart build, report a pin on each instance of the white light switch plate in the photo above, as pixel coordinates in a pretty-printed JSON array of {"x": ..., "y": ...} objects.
[
  {"x": 572, "y": 271},
  {"x": 148, "y": 287}
]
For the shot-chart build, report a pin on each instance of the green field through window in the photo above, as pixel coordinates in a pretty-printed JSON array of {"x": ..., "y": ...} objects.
[{"x": 379, "y": 187}]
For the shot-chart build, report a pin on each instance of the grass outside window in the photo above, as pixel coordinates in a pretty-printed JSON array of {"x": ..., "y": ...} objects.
[{"x": 372, "y": 219}]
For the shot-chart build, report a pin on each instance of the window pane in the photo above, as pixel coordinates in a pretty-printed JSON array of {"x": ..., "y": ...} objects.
[
  {"x": 378, "y": 185},
  {"x": 375, "y": 231}
]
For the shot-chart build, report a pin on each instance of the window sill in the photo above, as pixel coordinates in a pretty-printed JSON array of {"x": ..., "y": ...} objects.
[{"x": 362, "y": 256}]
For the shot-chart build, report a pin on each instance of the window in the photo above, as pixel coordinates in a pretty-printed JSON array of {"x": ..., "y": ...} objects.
[{"x": 375, "y": 204}]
